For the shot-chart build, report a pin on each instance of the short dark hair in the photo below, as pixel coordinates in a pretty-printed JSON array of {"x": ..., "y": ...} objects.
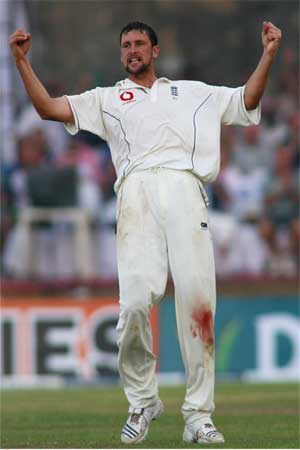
[{"x": 140, "y": 26}]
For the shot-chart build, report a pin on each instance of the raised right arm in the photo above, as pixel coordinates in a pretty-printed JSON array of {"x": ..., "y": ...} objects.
[{"x": 47, "y": 107}]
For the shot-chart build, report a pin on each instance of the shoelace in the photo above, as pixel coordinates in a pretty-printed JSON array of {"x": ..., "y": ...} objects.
[{"x": 135, "y": 416}]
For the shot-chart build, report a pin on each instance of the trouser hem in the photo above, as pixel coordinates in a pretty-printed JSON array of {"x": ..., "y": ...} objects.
[{"x": 192, "y": 417}]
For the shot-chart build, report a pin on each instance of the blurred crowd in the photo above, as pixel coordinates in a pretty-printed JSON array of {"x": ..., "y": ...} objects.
[
  {"x": 254, "y": 202},
  {"x": 258, "y": 185}
]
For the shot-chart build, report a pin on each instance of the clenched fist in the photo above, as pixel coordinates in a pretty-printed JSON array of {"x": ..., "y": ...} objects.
[
  {"x": 20, "y": 43},
  {"x": 271, "y": 36}
]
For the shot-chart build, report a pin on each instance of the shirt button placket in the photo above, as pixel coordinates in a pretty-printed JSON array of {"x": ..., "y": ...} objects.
[{"x": 153, "y": 93}]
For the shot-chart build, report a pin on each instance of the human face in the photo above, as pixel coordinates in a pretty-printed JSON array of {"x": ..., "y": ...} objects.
[{"x": 137, "y": 52}]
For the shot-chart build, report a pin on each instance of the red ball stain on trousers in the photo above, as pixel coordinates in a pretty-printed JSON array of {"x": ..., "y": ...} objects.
[{"x": 203, "y": 325}]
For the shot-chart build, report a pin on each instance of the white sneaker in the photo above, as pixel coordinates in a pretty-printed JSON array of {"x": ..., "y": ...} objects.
[
  {"x": 203, "y": 434},
  {"x": 137, "y": 426}
]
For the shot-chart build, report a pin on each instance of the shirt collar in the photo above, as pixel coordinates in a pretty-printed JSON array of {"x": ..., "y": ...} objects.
[{"x": 127, "y": 83}]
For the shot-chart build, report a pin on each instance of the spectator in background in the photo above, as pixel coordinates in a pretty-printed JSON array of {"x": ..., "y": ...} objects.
[
  {"x": 280, "y": 224},
  {"x": 274, "y": 130},
  {"x": 294, "y": 127},
  {"x": 251, "y": 153},
  {"x": 30, "y": 122},
  {"x": 240, "y": 189},
  {"x": 7, "y": 211},
  {"x": 239, "y": 195},
  {"x": 33, "y": 152},
  {"x": 87, "y": 162},
  {"x": 288, "y": 79},
  {"x": 173, "y": 61},
  {"x": 96, "y": 194}
]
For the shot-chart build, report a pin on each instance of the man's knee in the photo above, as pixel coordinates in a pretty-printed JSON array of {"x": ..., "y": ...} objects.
[
  {"x": 135, "y": 311},
  {"x": 133, "y": 316}
]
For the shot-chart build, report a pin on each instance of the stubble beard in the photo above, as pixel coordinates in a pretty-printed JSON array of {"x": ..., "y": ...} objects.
[{"x": 143, "y": 69}]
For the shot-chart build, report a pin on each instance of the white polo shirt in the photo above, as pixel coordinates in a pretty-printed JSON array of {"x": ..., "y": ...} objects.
[{"x": 175, "y": 124}]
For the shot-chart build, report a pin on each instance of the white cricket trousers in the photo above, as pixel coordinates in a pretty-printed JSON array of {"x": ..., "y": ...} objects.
[{"x": 163, "y": 220}]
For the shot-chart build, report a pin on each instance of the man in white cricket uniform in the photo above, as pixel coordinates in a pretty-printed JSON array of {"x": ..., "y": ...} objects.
[{"x": 164, "y": 138}]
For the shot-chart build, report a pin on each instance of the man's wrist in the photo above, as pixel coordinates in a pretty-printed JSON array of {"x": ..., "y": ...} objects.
[
  {"x": 19, "y": 60},
  {"x": 267, "y": 56}
]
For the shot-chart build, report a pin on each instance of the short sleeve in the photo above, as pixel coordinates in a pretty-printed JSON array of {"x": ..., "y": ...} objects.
[
  {"x": 232, "y": 109},
  {"x": 87, "y": 112}
]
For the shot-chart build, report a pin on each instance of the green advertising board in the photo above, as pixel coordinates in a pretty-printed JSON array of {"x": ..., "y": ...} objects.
[{"x": 256, "y": 338}]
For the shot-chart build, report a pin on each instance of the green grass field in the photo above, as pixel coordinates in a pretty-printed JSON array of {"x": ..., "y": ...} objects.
[{"x": 250, "y": 416}]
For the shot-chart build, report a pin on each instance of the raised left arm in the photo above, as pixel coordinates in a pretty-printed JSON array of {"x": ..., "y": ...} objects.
[{"x": 256, "y": 84}]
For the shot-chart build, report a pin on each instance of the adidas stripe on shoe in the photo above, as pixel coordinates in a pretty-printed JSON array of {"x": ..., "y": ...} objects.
[{"x": 202, "y": 434}]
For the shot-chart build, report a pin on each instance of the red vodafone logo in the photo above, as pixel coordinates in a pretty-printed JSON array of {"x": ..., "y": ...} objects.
[{"x": 126, "y": 96}]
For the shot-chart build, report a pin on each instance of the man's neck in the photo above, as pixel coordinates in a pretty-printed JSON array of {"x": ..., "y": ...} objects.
[{"x": 145, "y": 80}]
